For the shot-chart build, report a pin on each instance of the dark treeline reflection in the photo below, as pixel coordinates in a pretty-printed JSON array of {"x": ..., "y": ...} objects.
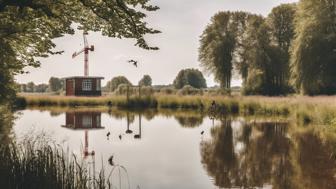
[
  {"x": 269, "y": 153},
  {"x": 184, "y": 118},
  {"x": 189, "y": 120}
]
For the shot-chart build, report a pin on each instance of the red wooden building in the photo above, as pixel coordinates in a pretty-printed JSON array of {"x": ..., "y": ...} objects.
[
  {"x": 83, "y": 86},
  {"x": 83, "y": 120}
]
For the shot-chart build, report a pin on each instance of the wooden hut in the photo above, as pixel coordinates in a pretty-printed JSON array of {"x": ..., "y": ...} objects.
[{"x": 83, "y": 86}]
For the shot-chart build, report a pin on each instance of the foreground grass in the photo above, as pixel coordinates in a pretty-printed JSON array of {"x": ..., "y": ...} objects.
[
  {"x": 305, "y": 110},
  {"x": 37, "y": 164}
]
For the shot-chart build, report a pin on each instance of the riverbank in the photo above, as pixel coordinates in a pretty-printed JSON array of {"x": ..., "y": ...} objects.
[{"x": 305, "y": 110}]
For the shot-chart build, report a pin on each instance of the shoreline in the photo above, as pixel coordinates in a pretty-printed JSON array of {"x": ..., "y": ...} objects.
[{"x": 305, "y": 110}]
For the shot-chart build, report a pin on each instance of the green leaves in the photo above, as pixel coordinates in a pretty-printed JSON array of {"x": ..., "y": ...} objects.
[
  {"x": 254, "y": 47},
  {"x": 145, "y": 81},
  {"x": 27, "y": 28},
  {"x": 192, "y": 77},
  {"x": 313, "y": 57},
  {"x": 218, "y": 43}
]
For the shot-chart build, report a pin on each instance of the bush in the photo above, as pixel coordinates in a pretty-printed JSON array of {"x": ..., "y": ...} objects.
[{"x": 189, "y": 90}]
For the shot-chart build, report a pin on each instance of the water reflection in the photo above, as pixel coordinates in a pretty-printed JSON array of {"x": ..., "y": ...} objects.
[
  {"x": 258, "y": 154},
  {"x": 189, "y": 121},
  {"x": 234, "y": 152},
  {"x": 83, "y": 120}
]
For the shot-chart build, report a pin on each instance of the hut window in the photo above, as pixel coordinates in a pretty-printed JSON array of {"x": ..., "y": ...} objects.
[
  {"x": 87, "y": 85},
  {"x": 98, "y": 87},
  {"x": 87, "y": 121}
]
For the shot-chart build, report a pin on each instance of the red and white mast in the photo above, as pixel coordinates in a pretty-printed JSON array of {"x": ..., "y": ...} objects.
[{"x": 86, "y": 50}]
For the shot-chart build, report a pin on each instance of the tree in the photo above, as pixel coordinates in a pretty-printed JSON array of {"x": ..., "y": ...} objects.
[
  {"x": 41, "y": 88},
  {"x": 55, "y": 84},
  {"x": 281, "y": 23},
  {"x": 263, "y": 60},
  {"x": 115, "y": 82},
  {"x": 252, "y": 46},
  {"x": 145, "y": 81},
  {"x": 7, "y": 85},
  {"x": 30, "y": 87},
  {"x": 219, "y": 41},
  {"x": 313, "y": 52},
  {"x": 192, "y": 77},
  {"x": 28, "y": 27}
]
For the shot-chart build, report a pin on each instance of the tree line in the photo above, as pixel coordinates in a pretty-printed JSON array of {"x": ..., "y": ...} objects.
[
  {"x": 185, "y": 78},
  {"x": 55, "y": 84},
  {"x": 293, "y": 49}
]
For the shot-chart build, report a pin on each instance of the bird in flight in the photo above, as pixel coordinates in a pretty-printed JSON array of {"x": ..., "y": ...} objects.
[
  {"x": 135, "y": 63},
  {"x": 108, "y": 135},
  {"x": 110, "y": 160}
]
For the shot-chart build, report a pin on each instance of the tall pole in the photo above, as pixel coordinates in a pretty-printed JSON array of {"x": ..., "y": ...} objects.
[
  {"x": 86, "y": 56},
  {"x": 86, "y": 63}
]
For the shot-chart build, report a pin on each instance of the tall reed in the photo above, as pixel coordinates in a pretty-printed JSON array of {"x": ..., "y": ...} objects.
[{"x": 38, "y": 164}]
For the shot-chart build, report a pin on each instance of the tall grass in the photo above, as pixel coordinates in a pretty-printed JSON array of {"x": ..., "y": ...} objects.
[
  {"x": 38, "y": 164},
  {"x": 320, "y": 110}
]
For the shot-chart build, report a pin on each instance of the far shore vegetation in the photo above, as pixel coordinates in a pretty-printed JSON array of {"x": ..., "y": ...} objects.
[{"x": 318, "y": 110}]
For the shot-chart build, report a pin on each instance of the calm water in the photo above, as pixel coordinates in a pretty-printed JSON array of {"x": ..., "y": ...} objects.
[{"x": 167, "y": 149}]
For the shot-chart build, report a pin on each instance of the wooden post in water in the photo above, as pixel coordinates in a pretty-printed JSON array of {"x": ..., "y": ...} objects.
[{"x": 127, "y": 93}]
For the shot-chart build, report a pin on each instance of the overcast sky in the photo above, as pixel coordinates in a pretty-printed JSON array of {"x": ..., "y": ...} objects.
[{"x": 181, "y": 23}]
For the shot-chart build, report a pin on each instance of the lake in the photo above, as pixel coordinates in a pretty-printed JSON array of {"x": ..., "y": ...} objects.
[{"x": 176, "y": 149}]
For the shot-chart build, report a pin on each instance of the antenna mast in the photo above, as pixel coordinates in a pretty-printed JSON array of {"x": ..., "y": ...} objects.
[{"x": 86, "y": 50}]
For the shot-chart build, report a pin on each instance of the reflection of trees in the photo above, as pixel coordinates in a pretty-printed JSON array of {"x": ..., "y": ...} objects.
[
  {"x": 271, "y": 153},
  {"x": 120, "y": 114},
  {"x": 318, "y": 165},
  {"x": 55, "y": 113},
  {"x": 264, "y": 158},
  {"x": 149, "y": 114},
  {"x": 189, "y": 121},
  {"x": 219, "y": 157}
]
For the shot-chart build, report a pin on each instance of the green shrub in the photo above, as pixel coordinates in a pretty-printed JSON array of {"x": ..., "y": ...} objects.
[{"x": 189, "y": 90}]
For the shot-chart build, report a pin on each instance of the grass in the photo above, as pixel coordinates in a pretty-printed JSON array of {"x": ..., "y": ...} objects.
[
  {"x": 305, "y": 110},
  {"x": 39, "y": 164}
]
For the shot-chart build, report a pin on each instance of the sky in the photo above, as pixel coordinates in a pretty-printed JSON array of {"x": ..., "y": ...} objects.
[{"x": 181, "y": 23}]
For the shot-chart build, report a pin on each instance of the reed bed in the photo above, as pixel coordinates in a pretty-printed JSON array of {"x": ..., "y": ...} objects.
[
  {"x": 305, "y": 110},
  {"x": 38, "y": 164}
]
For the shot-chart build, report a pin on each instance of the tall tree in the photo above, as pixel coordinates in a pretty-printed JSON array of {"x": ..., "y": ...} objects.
[
  {"x": 28, "y": 27},
  {"x": 218, "y": 44},
  {"x": 145, "y": 81},
  {"x": 263, "y": 59},
  {"x": 192, "y": 77},
  {"x": 281, "y": 23},
  {"x": 55, "y": 84},
  {"x": 313, "y": 60}
]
